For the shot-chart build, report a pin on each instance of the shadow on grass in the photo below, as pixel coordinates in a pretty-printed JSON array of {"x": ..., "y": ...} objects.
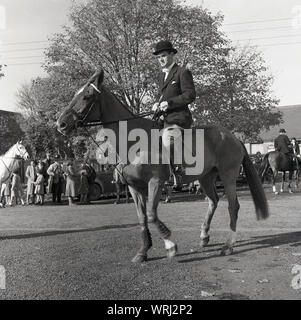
[
  {"x": 59, "y": 232},
  {"x": 292, "y": 239}
]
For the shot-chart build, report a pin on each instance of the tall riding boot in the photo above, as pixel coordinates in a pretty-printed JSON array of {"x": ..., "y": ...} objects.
[
  {"x": 177, "y": 173},
  {"x": 176, "y": 170}
]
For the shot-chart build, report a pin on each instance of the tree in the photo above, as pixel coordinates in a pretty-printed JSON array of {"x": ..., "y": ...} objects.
[
  {"x": 40, "y": 105},
  {"x": 238, "y": 95},
  {"x": 10, "y": 131},
  {"x": 41, "y": 102},
  {"x": 117, "y": 36}
]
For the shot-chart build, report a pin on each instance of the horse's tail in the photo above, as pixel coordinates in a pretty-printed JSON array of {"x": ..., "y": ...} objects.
[
  {"x": 264, "y": 166},
  {"x": 256, "y": 188}
]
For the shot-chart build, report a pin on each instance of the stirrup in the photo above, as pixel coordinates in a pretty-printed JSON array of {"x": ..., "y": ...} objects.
[{"x": 178, "y": 177}]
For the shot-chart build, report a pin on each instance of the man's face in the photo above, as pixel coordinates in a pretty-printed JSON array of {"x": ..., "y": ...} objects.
[{"x": 165, "y": 59}]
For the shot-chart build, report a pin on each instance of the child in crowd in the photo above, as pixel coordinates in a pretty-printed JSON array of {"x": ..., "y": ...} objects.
[
  {"x": 83, "y": 187},
  {"x": 39, "y": 187},
  {"x": 16, "y": 189}
]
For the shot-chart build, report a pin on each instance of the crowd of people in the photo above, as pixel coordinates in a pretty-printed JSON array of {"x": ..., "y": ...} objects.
[{"x": 49, "y": 177}]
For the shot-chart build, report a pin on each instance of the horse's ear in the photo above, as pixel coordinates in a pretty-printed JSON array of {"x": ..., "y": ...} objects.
[
  {"x": 99, "y": 78},
  {"x": 20, "y": 141}
]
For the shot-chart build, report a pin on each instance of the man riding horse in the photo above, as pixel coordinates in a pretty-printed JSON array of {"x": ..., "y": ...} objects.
[
  {"x": 283, "y": 144},
  {"x": 177, "y": 91}
]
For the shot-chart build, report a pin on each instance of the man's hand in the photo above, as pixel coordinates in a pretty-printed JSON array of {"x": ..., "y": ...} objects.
[
  {"x": 163, "y": 105},
  {"x": 155, "y": 106}
]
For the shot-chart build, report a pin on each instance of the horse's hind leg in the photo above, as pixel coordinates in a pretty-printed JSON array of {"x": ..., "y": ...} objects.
[
  {"x": 229, "y": 182},
  {"x": 208, "y": 185},
  {"x": 140, "y": 202},
  {"x": 290, "y": 180},
  {"x": 282, "y": 182},
  {"x": 275, "y": 173},
  {"x": 154, "y": 196}
]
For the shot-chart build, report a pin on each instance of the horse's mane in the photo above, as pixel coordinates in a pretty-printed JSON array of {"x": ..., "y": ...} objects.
[
  {"x": 2, "y": 155},
  {"x": 119, "y": 100}
]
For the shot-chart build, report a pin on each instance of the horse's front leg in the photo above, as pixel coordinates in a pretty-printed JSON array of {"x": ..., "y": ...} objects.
[
  {"x": 127, "y": 200},
  {"x": 209, "y": 189},
  {"x": 154, "y": 196},
  {"x": 139, "y": 198},
  {"x": 297, "y": 179},
  {"x": 117, "y": 193}
]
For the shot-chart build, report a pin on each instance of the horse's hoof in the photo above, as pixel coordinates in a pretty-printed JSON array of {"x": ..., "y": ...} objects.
[
  {"x": 139, "y": 258},
  {"x": 204, "y": 241},
  {"x": 171, "y": 252},
  {"x": 290, "y": 191},
  {"x": 276, "y": 193},
  {"x": 281, "y": 190}
]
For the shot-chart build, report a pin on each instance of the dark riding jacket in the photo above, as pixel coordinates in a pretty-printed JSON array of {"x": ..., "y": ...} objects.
[
  {"x": 179, "y": 91},
  {"x": 282, "y": 144}
]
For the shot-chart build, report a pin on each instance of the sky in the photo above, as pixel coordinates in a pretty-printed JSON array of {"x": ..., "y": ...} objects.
[{"x": 274, "y": 26}]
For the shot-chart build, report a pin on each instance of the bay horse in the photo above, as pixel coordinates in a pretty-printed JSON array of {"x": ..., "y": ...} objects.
[
  {"x": 279, "y": 162},
  {"x": 223, "y": 155}
]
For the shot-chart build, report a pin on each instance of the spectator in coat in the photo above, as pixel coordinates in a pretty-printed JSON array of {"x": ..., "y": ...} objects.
[
  {"x": 295, "y": 146},
  {"x": 296, "y": 152},
  {"x": 16, "y": 189},
  {"x": 71, "y": 183},
  {"x": 91, "y": 175},
  {"x": 42, "y": 167},
  {"x": 39, "y": 187},
  {"x": 83, "y": 187},
  {"x": 55, "y": 181},
  {"x": 48, "y": 161},
  {"x": 31, "y": 175}
]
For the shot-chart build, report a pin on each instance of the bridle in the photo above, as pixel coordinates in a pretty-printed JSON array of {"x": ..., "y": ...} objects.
[{"x": 80, "y": 122}]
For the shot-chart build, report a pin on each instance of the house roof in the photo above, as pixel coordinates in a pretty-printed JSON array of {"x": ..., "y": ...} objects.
[{"x": 291, "y": 124}]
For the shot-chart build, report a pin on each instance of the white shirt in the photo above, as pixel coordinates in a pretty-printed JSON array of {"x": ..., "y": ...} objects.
[{"x": 167, "y": 70}]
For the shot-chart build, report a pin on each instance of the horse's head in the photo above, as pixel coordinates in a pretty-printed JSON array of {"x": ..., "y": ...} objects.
[
  {"x": 20, "y": 151},
  {"x": 82, "y": 105}
]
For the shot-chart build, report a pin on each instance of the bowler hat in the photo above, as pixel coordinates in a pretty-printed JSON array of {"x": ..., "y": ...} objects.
[
  {"x": 282, "y": 130},
  {"x": 164, "y": 45}
]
